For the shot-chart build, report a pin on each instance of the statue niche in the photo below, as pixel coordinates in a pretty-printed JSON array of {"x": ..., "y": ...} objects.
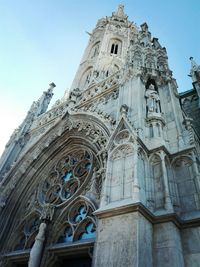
[{"x": 152, "y": 100}]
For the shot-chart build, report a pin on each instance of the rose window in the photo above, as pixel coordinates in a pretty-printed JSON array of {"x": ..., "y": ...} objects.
[{"x": 67, "y": 177}]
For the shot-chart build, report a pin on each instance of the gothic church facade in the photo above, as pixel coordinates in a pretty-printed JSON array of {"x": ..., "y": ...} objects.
[{"x": 110, "y": 175}]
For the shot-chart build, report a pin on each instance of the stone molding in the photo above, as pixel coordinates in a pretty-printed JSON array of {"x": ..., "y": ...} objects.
[{"x": 154, "y": 219}]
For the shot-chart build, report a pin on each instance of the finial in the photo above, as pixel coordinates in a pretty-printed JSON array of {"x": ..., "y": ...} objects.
[
  {"x": 119, "y": 12},
  {"x": 144, "y": 27},
  {"x": 195, "y": 70},
  {"x": 89, "y": 33},
  {"x": 52, "y": 85},
  {"x": 124, "y": 110},
  {"x": 193, "y": 63}
]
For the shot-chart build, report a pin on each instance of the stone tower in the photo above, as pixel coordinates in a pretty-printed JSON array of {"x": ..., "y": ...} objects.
[{"x": 110, "y": 176}]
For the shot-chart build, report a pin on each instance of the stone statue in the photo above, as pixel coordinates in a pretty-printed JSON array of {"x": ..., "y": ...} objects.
[
  {"x": 153, "y": 100},
  {"x": 92, "y": 193},
  {"x": 45, "y": 99},
  {"x": 119, "y": 12},
  {"x": 195, "y": 70},
  {"x": 36, "y": 251},
  {"x": 94, "y": 77},
  {"x": 74, "y": 96}
]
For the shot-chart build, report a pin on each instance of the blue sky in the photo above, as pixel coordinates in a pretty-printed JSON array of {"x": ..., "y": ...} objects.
[{"x": 43, "y": 41}]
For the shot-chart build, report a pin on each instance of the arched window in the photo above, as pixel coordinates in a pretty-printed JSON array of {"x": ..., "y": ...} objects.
[
  {"x": 78, "y": 223},
  {"x": 95, "y": 50},
  {"x": 151, "y": 131},
  {"x": 71, "y": 172},
  {"x": 141, "y": 172},
  {"x": 112, "y": 48},
  {"x": 157, "y": 178},
  {"x": 86, "y": 77},
  {"x": 185, "y": 179},
  {"x": 158, "y": 129},
  {"x": 115, "y": 47},
  {"x": 120, "y": 180},
  {"x": 173, "y": 190}
]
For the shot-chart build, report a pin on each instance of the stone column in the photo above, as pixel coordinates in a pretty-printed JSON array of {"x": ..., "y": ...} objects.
[
  {"x": 92, "y": 193},
  {"x": 36, "y": 251},
  {"x": 180, "y": 138},
  {"x": 136, "y": 186},
  {"x": 196, "y": 180},
  {"x": 105, "y": 185},
  {"x": 154, "y": 129},
  {"x": 149, "y": 186},
  {"x": 168, "y": 203}
]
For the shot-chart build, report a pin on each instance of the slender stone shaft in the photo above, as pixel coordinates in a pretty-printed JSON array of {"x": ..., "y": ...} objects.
[{"x": 36, "y": 251}]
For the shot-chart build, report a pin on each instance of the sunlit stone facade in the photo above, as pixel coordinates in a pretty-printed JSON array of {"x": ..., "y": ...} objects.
[{"x": 110, "y": 175}]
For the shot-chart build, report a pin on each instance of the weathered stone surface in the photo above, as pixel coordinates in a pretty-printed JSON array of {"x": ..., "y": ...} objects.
[
  {"x": 191, "y": 246},
  {"x": 124, "y": 240},
  {"x": 121, "y": 142},
  {"x": 167, "y": 246}
]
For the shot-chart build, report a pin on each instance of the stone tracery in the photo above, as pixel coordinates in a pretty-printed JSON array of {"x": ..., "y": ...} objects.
[
  {"x": 133, "y": 165},
  {"x": 66, "y": 177}
]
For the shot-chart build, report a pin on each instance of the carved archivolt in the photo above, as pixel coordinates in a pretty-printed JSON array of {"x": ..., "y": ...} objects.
[
  {"x": 64, "y": 170},
  {"x": 74, "y": 173},
  {"x": 99, "y": 88}
]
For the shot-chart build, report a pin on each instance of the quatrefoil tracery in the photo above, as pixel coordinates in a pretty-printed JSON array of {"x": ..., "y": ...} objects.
[
  {"x": 79, "y": 223},
  {"x": 67, "y": 177}
]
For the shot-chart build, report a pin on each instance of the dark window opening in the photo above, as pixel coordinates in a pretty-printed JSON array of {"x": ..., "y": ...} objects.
[{"x": 114, "y": 49}]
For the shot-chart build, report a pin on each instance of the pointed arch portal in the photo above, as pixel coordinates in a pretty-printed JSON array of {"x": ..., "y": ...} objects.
[{"x": 63, "y": 193}]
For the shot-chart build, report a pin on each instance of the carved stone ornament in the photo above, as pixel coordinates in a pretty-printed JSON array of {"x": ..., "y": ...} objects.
[
  {"x": 96, "y": 134},
  {"x": 122, "y": 151},
  {"x": 65, "y": 180},
  {"x": 153, "y": 100}
]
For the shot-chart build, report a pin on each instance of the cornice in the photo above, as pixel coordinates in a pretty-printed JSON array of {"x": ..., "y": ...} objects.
[{"x": 154, "y": 219}]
